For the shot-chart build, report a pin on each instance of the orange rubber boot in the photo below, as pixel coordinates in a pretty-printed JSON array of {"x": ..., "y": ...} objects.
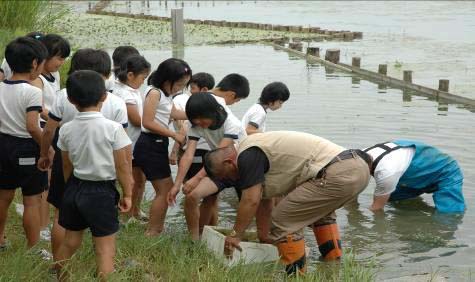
[
  {"x": 328, "y": 240},
  {"x": 292, "y": 255}
]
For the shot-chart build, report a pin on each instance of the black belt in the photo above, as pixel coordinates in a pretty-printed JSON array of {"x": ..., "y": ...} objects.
[{"x": 347, "y": 154}]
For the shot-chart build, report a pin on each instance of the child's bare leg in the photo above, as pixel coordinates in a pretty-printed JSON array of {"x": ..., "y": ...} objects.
[
  {"x": 105, "y": 252},
  {"x": 138, "y": 190},
  {"x": 31, "y": 218},
  {"x": 6, "y": 198},
  {"x": 72, "y": 241},
  {"x": 57, "y": 235},
  {"x": 205, "y": 188},
  {"x": 44, "y": 209},
  {"x": 208, "y": 209},
  {"x": 159, "y": 207}
]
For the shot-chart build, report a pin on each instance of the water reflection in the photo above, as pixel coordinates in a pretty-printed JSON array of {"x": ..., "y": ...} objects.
[
  {"x": 405, "y": 227},
  {"x": 178, "y": 52}
]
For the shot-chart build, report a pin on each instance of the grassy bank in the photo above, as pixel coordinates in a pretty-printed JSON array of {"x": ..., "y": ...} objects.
[
  {"x": 171, "y": 257},
  {"x": 20, "y": 17}
]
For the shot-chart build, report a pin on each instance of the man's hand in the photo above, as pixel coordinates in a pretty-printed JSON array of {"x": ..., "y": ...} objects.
[
  {"x": 231, "y": 243},
  {"x": 125, "y": 204},
  {"x": 171, "y": 197},
  {"x": 190, "y": 185}
]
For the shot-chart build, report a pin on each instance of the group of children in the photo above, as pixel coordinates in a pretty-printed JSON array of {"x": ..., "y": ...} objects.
[{"x": 71, "y": 145}]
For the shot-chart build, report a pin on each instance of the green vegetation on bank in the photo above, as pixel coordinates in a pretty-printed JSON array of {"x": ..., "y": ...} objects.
[
  {"x": 171, "y": 257},
  {"x": 18, "y": 18}
]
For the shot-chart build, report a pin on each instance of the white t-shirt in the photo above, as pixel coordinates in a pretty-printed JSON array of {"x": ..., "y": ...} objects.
[
  {"x": 6, "y": 69},
  {"x": 163, "y": 109},
  {"x": 110, "y": 82},
  {"x": 255, "y": 116},
  {"x": 16, "y": 99},
  {"x": 51, "y": 88},
  {"x": 113, "y": 108},
  {"x": 231, "y": 128},
  {"x": 130, "y": 96},
  {"x": 390, "y": 168},
  {"x": 180, "y": 104},
  {"x": 90, "y": 140}
]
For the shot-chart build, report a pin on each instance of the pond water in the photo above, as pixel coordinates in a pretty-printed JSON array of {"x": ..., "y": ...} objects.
[
  {"x": 434, "y": 39},
  {"x": 408, "y": 238}
]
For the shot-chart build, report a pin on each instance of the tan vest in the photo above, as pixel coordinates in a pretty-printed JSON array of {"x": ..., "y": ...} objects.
[{"x": 294, "y": 157}]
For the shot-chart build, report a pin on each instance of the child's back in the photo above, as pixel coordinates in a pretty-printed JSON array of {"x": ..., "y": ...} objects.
[
  {"x": 90, "y": 140},
  {"x": 17, "y": 98},
  {"x": 93, "y": 147}
]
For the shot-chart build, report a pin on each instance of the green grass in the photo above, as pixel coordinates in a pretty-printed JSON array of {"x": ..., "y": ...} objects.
[
  {"x": 18, "y": 18},
  {"x": 171, "y": 257}
]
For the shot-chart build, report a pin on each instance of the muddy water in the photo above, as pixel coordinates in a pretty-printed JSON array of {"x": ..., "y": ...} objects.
[
  {"x": 435, "y": 39},
  {"x": 408, "y": 238}
]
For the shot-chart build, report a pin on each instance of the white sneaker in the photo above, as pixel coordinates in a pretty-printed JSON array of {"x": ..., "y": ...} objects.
[
  {"x": 45, "y": 234},
  {"x": 20, "y": 208},
  {"x": 142, "y": 216},
  {"x": 45, "y": 255}
]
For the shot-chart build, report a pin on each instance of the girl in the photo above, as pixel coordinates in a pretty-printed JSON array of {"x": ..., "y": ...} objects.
[
  {"x": 272, "y": 97},
  {"x": 151, "y": 150},
  {"x": 130, "y": 77}
]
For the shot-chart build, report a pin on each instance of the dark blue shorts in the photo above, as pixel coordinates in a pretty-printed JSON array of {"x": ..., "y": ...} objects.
[
  {"x": 90, "y": 204},
  {"x": 18, "y": 160},
  {"x": 151, "y": 155}
]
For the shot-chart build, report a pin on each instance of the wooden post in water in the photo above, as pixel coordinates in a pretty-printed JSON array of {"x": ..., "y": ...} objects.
[
  {"x": 383, "y": 69},
  {"x": 444, "y": 85},
  {"x": 332, "y": 55},
  {"x": 178, "y": 27},
  {"x": 356, "y": 62},
  {"x": 313, "y": 51},
  {"x": 296, "y": 46},
  {"x": 407, "y": 76}
]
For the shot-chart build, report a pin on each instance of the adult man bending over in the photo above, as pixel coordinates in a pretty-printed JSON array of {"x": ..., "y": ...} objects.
[{"x": 316, "y": 177}]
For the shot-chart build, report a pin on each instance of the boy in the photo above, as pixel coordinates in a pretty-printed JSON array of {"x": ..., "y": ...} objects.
[
  {"x": 113, "y": 108},
  {"x": 20, "y": 135},
  {"x": 94, "y": 150}
]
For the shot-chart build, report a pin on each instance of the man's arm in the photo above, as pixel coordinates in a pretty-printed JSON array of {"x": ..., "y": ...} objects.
[{"x": 250, "y": 200}]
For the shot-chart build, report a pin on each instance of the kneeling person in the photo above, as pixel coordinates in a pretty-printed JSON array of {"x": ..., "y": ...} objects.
[
  {"x": 405, "y": 169},
  {"x": 315, "y": 175},
  {"x": 94, "y": 150}
]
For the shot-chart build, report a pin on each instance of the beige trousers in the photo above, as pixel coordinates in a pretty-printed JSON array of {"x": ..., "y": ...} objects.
[{"x": 314, "y": 202}]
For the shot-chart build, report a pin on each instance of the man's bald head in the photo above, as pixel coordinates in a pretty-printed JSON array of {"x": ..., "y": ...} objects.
[{"x": 221, "y": 163}]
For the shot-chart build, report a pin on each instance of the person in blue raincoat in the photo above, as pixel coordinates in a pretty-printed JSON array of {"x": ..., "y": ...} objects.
[{"x": 405, "y": 169}]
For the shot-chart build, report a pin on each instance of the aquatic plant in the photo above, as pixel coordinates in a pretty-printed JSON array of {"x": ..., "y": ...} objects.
[{"x": 397, "y": 64}]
